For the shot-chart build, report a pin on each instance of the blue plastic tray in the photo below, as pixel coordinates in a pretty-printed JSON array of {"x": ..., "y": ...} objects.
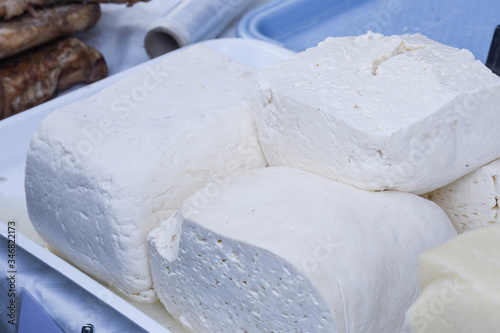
[{"x": 299, "y": 24}]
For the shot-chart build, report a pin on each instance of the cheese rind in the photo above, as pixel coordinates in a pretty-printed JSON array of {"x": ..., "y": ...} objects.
[
  {"x": 283, "y": 250},
  {"x": 105, "y": 171},
  {"x": 400, "y": 112},
  {"x": 471, "y": 202},
  {"x": 460, "y": 290}
]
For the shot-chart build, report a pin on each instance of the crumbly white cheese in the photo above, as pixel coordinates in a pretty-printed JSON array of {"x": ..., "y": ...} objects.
[
  {"x": 400, "y": 112},
  {"x": 105, "y": 171},
  {"x": 472, "y": 201},
  {"x": 284, "y": 250},
  {"x": 460, "y": 289}
]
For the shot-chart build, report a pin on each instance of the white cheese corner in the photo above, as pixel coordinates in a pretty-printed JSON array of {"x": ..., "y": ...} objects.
[
  {"x": 400, "y": 112},
  {"x": 472, "y": 201},
  {"x": 103, "y": 172},
  {"x": 283, "y": 250}
]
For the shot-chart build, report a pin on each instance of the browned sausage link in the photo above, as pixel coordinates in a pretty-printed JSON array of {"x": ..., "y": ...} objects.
[
  {"x": 12, "y": 8},
  {"x": 27, "y": 31},
  {"x": 33, "y": 77}
]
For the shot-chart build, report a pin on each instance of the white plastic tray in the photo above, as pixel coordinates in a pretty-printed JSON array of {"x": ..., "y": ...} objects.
[{"x": 15, "y": 135}]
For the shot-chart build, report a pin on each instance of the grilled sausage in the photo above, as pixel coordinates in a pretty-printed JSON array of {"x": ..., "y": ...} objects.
[
  {"x": 35, "y": 76},
  {"x": 27, "y": 31},
  {"x": 12, "y": 8}
]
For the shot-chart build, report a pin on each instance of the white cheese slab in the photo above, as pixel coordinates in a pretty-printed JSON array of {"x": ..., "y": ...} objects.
[
  {"x": 284, "y": 250},
  {"x": 401, "y": 112},
  {"x": 460, "y": 289},
  {"x": 471, "y": 202},
  {"x": 103, "y": 172}
]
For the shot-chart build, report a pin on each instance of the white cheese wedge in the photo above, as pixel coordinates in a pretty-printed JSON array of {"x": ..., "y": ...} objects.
[
  {"x": 400, "y": 112},
  {"x": 105, "y": 171},
  {"x": 471, "y": 202},
  {"x": 284, "y": 250},
  {"x": 460, "y": 286}
]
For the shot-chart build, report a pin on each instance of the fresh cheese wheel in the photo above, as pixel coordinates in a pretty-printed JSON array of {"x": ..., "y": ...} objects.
[
  {"x": 400, "y": 112},
  {"x": 472, "y": 201},
  {"x": 460, "y": 289},
  {"x": 284, "y": 250},
  {"x": 105, "y": 171}
]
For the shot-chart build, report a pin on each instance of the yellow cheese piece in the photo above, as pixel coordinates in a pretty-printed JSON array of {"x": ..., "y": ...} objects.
[{"x": 460, "y": 283}]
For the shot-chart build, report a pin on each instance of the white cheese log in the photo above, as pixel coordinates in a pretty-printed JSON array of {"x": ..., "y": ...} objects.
[
  {"x": 283, "y": 250},
  {"x": 376, "y": 112},
  {"x": 471, "y": 202},
  {"x": 460, "y": 286},
  {"x": 105, "y": 171}
]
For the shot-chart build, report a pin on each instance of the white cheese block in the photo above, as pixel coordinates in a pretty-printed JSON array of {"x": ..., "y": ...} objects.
[
  {"x": 400, "y": 112},
  {"x": 471, "y": 202},
  {"x": 460, "y": 288},
  {"x": 284, "y": 250},
  {"x": 103, "y": 172}
]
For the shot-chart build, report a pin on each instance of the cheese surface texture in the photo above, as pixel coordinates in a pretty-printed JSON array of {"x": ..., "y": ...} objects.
[
  {"x": 460, "y": 289},
  {"x": 472, "y": 201},
  {"x": 283, "y": 250},
  {"x": 400, "y": 112},
  {"x": 105, "y": 171}
]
